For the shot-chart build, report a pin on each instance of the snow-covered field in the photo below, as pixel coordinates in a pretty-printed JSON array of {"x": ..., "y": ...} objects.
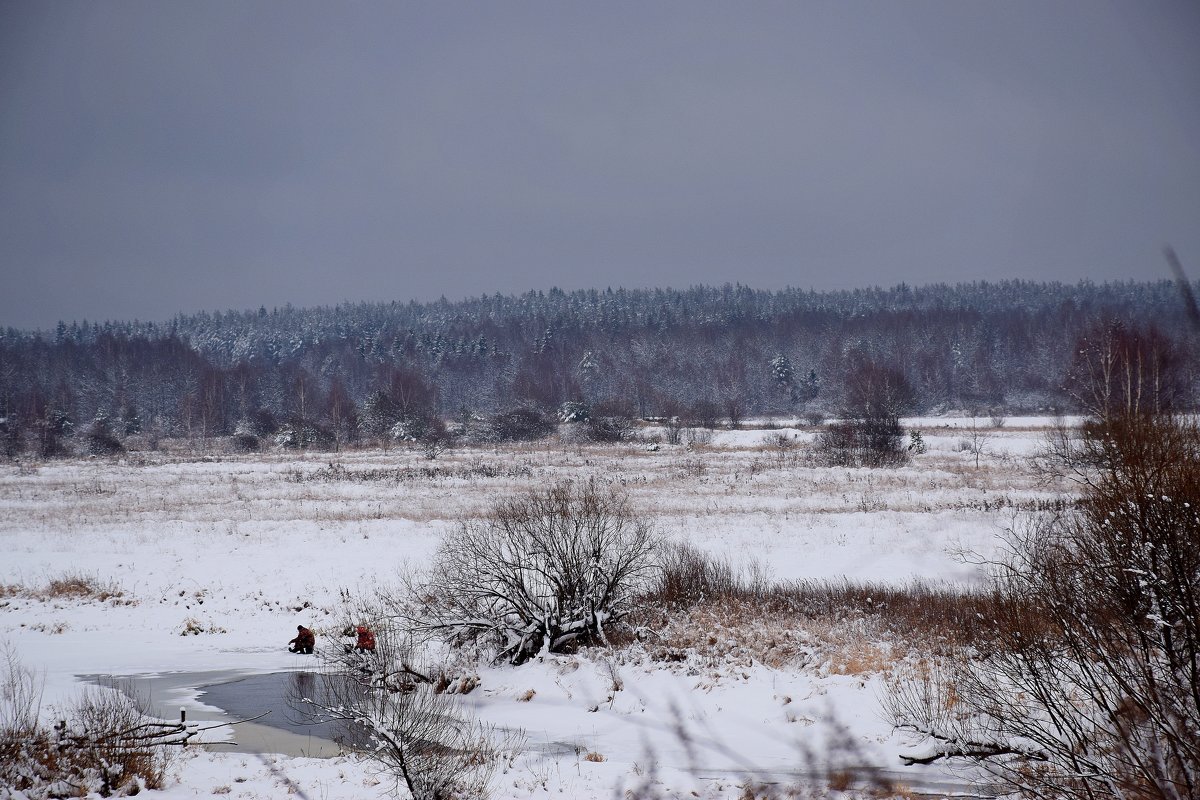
[{"x": 209, "y": 564}]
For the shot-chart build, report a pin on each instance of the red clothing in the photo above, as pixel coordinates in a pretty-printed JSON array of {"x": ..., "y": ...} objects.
[{"x": 366, "y": 639}]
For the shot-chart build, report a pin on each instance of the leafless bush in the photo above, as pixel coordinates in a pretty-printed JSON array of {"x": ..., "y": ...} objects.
[
  {"x": 407, "y": 722},
  {"x": 1091, "y": 686},
  {"x": 704, "y": 414},
  {"x": 977, "y": 438},
  {"x": 106, "y": 745},
  {"x": 814, "y": 417},
  {"x": 517, "y": 425},
  {"x": 869, "y": 434},
  {"x": 434, "y": 443},
  {"x": 547, "y": 569},
  {"x": 673, "y": 430},
  {"x": 20, "y": 705},
  {"x": 780, "y": 444},
  {"x": 862, "y": 443},
  {"x": 611, "y": 428},
  {"x": 688, "y": 576},
  {"x": 108, "y": 729}
]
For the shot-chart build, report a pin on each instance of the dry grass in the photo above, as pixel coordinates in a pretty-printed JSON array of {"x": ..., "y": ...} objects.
[
  {"x": 69, "y": 586},
  {"x": 74, "y": 586},
  {"x": 707, "y": 615},
  {"x": 734, "y": 481}
]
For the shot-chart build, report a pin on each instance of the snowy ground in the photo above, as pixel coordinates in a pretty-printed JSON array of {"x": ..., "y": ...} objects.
[{"x": 212, "y": 562}]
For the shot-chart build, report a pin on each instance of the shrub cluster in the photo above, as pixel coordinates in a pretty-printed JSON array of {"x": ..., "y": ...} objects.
[
  {"x": 96, "y": 750},
  {"x": 874, "y": 442}
]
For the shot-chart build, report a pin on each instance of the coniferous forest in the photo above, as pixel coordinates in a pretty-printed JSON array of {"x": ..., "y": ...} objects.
[{"x": 330, "y": 376}]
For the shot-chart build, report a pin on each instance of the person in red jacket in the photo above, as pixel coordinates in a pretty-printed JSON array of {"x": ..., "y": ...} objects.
[
  {"x": 366, "y": 639},
  {"x": 304, "y": 641}
]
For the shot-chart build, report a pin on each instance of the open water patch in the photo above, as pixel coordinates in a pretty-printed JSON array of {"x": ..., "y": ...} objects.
[
  {"x": 288, "y": 726},
  {"x": 286, "y": 697}
]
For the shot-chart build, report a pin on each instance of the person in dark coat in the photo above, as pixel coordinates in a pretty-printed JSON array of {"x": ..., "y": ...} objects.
[{"x": 304, "y": 641}]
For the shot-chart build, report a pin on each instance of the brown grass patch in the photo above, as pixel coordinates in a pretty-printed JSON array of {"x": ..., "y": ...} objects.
[
  {"x": 706, "y": 613},
  {"x": 68, "y": 586}
]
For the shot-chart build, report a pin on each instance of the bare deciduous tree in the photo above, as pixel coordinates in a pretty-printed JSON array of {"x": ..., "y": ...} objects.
[
  {"x": 870, "y": 434},
  {"x": 1121, "y": 370},
  {"x": 977, "y": 438}
]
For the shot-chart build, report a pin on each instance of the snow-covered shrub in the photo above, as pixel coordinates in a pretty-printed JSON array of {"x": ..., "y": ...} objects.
[
  {"x": 410, "y": 429},
  {"x": 105, "y": 746},
  {"x": 543, "y": 570},
  {"x": 607, "y": 423},
  {"x": 244, "y": 439},
  {"x": 302, "y": 434},
  {"x": 260, "y": 423},
  {"x": 434, "y": 443},
  {"x": 574, "y": 411}
]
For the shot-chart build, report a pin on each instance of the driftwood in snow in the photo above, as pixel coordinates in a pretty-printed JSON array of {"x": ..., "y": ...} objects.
[{"x": 142, "y": 735}]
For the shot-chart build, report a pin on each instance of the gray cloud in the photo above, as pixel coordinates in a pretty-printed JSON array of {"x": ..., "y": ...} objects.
[{"x": 164, "y": 157}]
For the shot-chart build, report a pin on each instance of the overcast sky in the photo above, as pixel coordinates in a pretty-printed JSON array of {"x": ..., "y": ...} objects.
[{"x": 160, "y": 157}]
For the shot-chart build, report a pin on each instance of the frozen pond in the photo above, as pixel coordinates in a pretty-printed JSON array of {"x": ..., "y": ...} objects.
[{"x": 230, "y": 695}]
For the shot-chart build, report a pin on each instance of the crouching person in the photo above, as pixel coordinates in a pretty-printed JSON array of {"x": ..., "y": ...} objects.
[
  {"x": 304, "y": 641},
  {"x": 366, "y": 639}
]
